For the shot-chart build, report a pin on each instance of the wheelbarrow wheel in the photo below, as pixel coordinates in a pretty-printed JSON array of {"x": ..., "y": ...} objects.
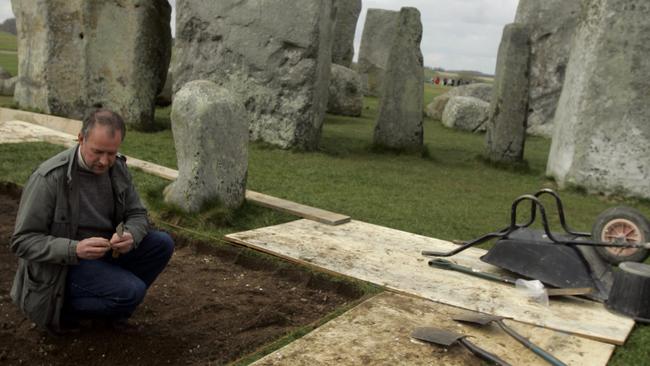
[{"x": 621, "y": 225}]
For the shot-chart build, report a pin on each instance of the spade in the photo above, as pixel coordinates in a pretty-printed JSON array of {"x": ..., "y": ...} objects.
[
  {"x": 483, "y": 319},
  {"x": 447, "y": 338}
]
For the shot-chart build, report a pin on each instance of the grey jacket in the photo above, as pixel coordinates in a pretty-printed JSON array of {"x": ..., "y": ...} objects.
[{"x": 46, "y": 225}]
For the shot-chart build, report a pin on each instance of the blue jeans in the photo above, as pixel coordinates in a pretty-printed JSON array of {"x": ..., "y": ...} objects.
[{"x": 112, "y": 288}]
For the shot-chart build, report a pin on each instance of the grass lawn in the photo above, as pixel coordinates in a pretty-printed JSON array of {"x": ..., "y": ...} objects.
[
  {"x": 8, "y": 60},
  {"x": 8, "y": 42},
  {"x": 448, "y": 193}
]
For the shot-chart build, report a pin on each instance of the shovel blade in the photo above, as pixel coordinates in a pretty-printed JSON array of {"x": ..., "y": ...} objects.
[
  {"x": 477, "y": 318},
  {"x": 434, "y": 335}
]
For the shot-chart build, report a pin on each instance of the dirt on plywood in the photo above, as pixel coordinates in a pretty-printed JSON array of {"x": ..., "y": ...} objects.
[{"x": 211, "y": 305}]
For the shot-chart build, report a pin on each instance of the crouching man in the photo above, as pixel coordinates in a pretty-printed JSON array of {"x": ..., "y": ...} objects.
[{"x": 82, "y": 235}]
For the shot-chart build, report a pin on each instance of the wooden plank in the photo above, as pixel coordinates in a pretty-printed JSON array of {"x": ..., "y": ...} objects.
[
  {"x": 391, "y": 258},
  {"x": 297, "y": 209},
  {"x": 376, "y": 332},
  {"x": 16, "y": 131},
  {"x": 65, "y": 125}
]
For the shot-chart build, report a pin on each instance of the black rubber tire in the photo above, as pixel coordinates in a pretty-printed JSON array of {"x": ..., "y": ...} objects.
[{"x": 635, "y": 218}]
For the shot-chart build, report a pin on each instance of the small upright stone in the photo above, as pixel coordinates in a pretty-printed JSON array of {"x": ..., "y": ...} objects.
[
  {"x": 347, "y": 14},
  {"x": 211, "y": 139},
  {"x": 345, "y": 96},
  {"x": 4, "y": 74},
  {"x": 8, "y": 86},
  {"x": 506, "y": 131},
  {"x": 376, "y": 43},
  {"x": 399, "y": 124},
  {"x": 601, "y": 138}
]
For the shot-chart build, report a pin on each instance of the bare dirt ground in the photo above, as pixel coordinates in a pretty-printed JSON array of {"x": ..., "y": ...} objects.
[{"x": 210, "y": 306}]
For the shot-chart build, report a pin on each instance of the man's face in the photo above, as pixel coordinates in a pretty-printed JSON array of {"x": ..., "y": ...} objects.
[{"x": 99, "y": 148}]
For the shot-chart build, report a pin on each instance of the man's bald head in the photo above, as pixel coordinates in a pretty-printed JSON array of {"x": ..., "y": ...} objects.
[{"x": 103, "y": 117}]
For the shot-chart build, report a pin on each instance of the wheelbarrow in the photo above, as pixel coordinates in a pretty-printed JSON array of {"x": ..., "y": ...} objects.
[{"x": 569, "y": 259}]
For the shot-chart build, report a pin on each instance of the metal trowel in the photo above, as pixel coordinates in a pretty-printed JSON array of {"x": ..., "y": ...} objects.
[{"x": 447, "y": 338}]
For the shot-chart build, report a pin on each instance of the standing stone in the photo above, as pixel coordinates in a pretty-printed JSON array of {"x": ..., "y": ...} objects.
[
  {"x": 275, "y": 56},
  {"x": 74, "y": 54},
  {"x": 164, "y": 98},
  {"x": 211, "y": 139},
  {"x": 466, "y": 113},
  {"x": 399, "y": 124},
  {"x": 376, "y": 43},
  {"x": 601, "y": 139},
  {"x": 552, "y": 24},
  {"x": 481, "y": 91},
  {"x": 345, "y": 96},
  {"x": 506, "y": 130},
  {"x": 347, "y": 15}
]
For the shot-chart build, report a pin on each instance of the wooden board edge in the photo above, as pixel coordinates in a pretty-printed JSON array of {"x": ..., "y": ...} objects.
[{"x": 298, "y": 209}]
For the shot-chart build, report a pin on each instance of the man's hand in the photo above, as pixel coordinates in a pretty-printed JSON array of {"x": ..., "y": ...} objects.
[
  {"x": 122, "y": 244},
  {"x": 92, "y": 248}
]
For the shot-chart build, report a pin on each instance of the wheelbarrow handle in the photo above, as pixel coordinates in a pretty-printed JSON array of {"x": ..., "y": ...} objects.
[
  {"x": 447, "y": 264},
  {"x": 533, "y": 347},
  {"x": 481, "y": 353}
]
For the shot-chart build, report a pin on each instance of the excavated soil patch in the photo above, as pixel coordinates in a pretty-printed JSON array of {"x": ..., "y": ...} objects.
[{"x": 212, "y": 305}]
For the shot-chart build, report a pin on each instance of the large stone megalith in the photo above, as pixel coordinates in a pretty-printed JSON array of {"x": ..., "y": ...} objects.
[
  {"x": 552, "y": 25},
  {"x": 275, "y": 56},
  {"x": 601, "y": 139},
  {"x": 506, "y": 127},
  {"x": 376, "y": 43},
  {"x": 75, "y": 54},
  {"x": 399, "y": 124},
  {"x": 211, "y": 138},
  {"x": 347, "y": 15}
]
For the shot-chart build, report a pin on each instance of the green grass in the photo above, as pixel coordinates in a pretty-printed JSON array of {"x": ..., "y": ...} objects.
[
  {"x": 8, "y": 61},
  {"x": 448, "y": 194},
  {"x": 8, "y": 42}
]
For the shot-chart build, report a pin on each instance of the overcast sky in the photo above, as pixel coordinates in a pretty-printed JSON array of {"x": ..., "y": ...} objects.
[{"x": 457, "y": 34}]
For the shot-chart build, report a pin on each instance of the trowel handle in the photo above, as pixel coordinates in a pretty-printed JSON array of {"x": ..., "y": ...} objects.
[
  {"x": 481, "y": 353},
  {"x": 533, "y": 347}
]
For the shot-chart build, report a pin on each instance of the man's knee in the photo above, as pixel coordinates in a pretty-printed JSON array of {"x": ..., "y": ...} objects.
[
  {"x": 131, "y": 294},
  {"x": 160, "y": 242}
]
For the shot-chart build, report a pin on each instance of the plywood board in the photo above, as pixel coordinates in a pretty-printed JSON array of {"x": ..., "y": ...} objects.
[
  {"x": 65, "y": 125},
  {"x": 49, "y": 129},
  {"x": 297, "y": 209},
  {"x": 376, "y": 332},
  {"x": 391, "y": 258}
]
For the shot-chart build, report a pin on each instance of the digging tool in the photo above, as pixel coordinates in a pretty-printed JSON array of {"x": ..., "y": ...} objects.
[
  {"x": 447, "y": 264},
  {"x": 483, "y": 319},
  {"x": 119, "y": 230},
  {"x": 447, "y": 338}
]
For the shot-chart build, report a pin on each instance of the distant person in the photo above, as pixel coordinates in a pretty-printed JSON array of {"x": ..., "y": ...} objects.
[
  {"x": 437, "y": 80},
  {"x": 444, "y": 81},
  {"x": 82, "y": 235}
]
